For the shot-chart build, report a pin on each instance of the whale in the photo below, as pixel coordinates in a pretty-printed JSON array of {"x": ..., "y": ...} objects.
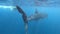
[{"x": 37, "y": 16}]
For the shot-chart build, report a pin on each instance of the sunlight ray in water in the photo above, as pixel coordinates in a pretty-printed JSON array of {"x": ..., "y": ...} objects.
[{"x": 9, "y": 7}]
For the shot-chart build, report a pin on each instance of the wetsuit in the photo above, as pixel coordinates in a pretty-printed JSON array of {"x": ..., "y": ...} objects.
[{"x": 23, "y": 14}]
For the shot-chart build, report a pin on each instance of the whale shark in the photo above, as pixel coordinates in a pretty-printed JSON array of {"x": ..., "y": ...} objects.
[{"x": 35, "y": 16}]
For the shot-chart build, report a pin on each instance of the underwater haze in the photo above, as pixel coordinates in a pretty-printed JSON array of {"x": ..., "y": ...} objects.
[{"x": 11, "y": 21}]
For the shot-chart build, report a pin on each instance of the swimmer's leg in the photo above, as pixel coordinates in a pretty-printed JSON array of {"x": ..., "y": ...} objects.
[{"x": 26, "y": 28}]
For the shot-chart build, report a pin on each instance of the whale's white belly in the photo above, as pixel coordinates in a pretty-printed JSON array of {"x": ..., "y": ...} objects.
[{"x": 34, "y": 17}]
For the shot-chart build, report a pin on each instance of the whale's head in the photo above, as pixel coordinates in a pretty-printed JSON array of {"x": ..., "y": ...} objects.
[
  {"x": 37, "y": 16},
  {"x": 43, "y": 15}
]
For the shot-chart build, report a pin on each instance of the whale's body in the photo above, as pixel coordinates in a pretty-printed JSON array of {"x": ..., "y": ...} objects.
[
  {"x": 37, "y": 16},
  {"x": 33, "y": 17}
]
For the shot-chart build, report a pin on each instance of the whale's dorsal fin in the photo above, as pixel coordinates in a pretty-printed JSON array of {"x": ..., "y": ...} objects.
[{"x": 36, "y": 11}]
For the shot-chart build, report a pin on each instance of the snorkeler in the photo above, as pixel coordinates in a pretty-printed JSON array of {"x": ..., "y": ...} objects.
[
  {"x": 24, "y": 16},
  {"x": 35, "y": 16}
]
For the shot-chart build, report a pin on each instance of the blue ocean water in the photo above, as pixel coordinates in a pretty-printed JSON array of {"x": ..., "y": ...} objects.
[{"x": 11, "y": 21}]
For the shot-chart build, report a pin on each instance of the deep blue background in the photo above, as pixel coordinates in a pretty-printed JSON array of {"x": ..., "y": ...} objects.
[{"x": 11, "y": 21}]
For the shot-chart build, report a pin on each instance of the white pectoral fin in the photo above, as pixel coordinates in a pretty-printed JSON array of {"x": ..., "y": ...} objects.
[{"x": 28, "y": 19}]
